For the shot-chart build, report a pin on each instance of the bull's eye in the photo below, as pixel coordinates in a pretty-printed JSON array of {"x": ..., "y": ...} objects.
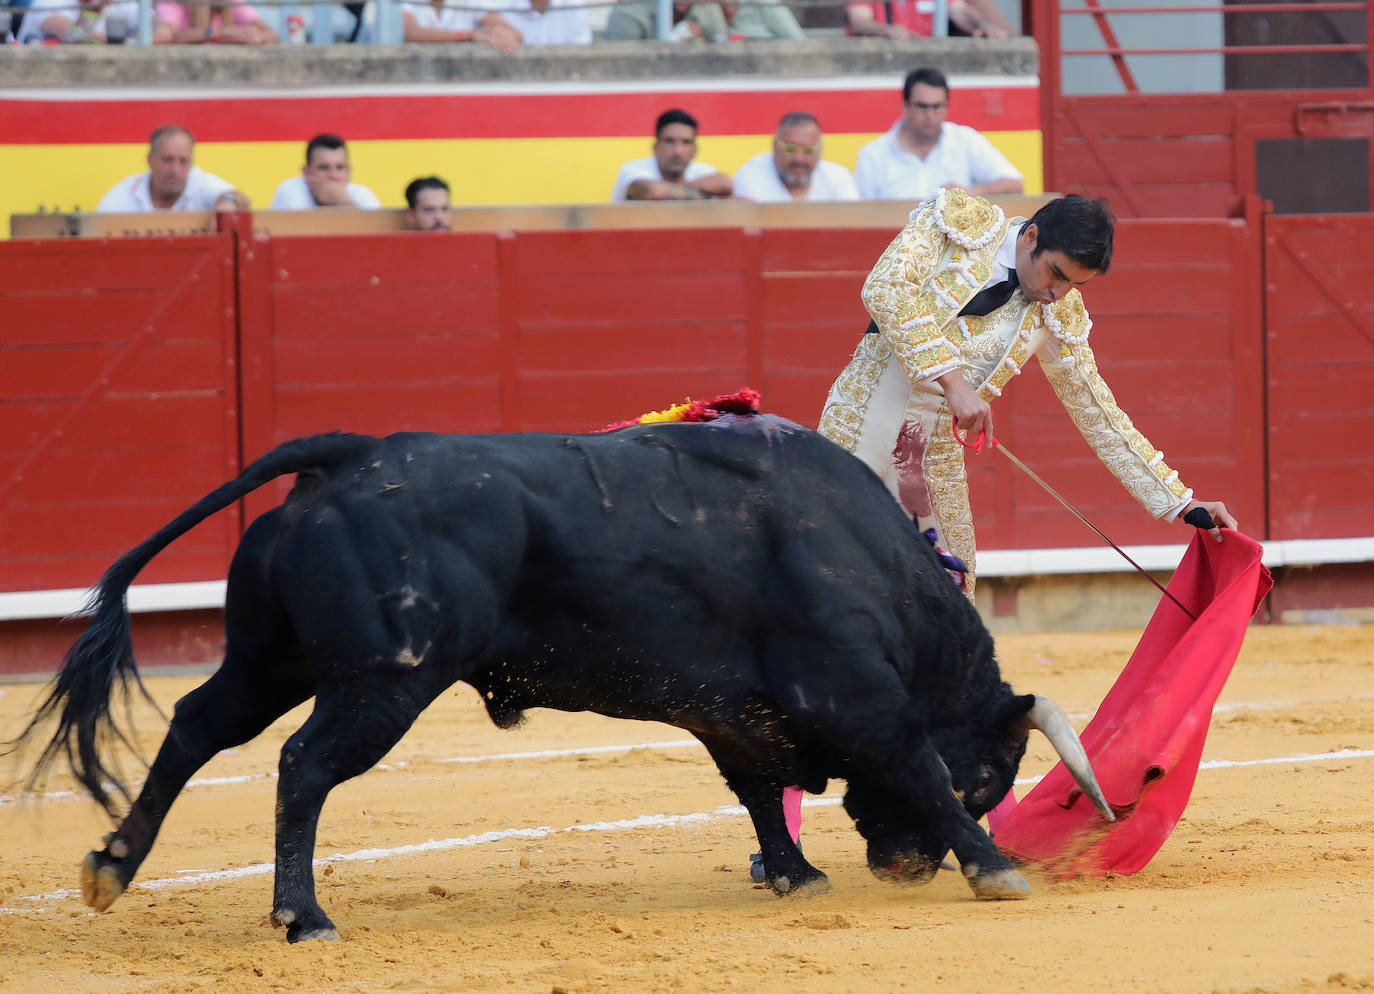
[{"x": 984, "y": 779}]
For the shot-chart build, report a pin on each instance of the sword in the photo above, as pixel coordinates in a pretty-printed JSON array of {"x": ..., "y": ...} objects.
[{"x": 977, "y": 447}]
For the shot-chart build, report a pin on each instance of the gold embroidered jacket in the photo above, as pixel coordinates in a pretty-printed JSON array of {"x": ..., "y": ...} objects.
[{"x": 944, "y": 255}]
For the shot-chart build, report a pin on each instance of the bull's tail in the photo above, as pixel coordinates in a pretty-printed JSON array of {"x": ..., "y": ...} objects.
[{"x": 102, "y": 658}]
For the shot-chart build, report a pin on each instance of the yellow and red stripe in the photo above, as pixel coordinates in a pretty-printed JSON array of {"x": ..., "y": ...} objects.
[{"x": 494, "y": 143}]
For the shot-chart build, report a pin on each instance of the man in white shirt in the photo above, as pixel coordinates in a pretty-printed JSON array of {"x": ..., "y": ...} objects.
[
  {"x": 549, "y": 22},
  {"x": 671, "y": 173},
  {"x": 325, "y": 180},
  {"x": 923, "y": 152},
  {"x": 172, "y": 182},
  {"x": 794, "y": 170},
  {"x": 505, "y": 26}
]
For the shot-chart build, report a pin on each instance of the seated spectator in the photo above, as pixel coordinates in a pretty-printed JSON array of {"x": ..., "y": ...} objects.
[
  {"x": 748, "y": 21},
  {"x": 671, "y": 173},
  {"x": 637, "y": 20},
  {"x": 922, "y": 151},
  {"x": 59, "y": 19},
  {"x": 324, "y": 180},
  {"x": 188, "y": 23},
  {"x": 427, "y": 205},
  {"x": 794, "y": 170},
  {"x": 548, "y": 22},
  {"x": 173, "y": 182},
  {"x": 916, "y": 19},
  {"x": 433, "y": 20}
]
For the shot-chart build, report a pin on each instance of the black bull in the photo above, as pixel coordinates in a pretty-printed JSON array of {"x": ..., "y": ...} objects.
[{"x": 743, "y": 579}]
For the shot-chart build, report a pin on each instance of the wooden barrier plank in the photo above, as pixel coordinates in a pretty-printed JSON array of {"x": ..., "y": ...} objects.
[
  {"x": 626, "y": 347},
  {"x": 323, "y": 310}
]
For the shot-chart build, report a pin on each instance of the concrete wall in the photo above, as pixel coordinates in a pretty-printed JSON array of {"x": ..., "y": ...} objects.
[{"x": 355, "y": 65}]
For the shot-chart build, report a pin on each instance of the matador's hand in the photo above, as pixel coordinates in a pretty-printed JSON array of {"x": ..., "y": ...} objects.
[
  {"x": 971, "y": 412},
  {"x": 1218, "y": 512}
]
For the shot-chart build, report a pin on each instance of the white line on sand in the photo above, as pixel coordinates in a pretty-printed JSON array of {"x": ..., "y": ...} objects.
[{"x": 37, "y": 902}]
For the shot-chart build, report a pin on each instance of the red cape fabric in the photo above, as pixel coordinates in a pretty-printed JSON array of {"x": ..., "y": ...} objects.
[{"x": 1145, "y": 742}]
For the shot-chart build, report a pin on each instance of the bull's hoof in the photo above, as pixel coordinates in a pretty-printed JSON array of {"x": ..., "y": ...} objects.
[
  {"x": 328, "y": 934},
  {"x": 815, "y": 886},
  {"x": 997, "y": 885},
  {"x": 305, "y": 928},
  {"x": 906, "y": 870},
  {"x": 100, "y": 881}
]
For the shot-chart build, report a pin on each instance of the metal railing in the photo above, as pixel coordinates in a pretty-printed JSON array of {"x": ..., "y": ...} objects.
[{"x": 1103, "y": 14}]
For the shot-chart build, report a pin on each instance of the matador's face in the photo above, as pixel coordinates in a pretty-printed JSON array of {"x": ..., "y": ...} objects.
[{"x": 1049, "y": 275}]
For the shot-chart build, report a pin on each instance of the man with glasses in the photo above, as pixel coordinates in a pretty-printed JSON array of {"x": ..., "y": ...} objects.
[
  {"x": 923, "y": 152},
  {"x": 794, "y": 170}
]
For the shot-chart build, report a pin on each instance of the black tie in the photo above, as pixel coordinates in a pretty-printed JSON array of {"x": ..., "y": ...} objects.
[
  {"x": 991, "y": 297},
  {"x": 985, "y": 301}
]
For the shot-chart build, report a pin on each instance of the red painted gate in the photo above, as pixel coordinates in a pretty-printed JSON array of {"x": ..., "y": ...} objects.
[
  {"x": 1320, "y": 358},
  {"x": 1182, "y": 111}
]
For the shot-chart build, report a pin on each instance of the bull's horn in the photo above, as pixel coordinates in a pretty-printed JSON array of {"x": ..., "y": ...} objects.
[{"x": 1050, "y": 718}]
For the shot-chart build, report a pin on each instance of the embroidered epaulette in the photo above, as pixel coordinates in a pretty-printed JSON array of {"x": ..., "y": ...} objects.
[
  {"x": 1067, "y": 319},
  {"x": 967, "y": 220}
]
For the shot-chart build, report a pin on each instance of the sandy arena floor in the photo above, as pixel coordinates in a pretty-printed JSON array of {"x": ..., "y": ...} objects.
[{"x": 1267, "y": 884}]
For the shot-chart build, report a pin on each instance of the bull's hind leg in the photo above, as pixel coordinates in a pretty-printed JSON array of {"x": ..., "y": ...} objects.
[
  {"x": 229, "y": 709},
  {"x": 352, "y": 727}
]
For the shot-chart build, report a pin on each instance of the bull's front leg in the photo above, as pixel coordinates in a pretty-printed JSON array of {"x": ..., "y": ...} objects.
[
  {"x": 922, "y": 820},
  {"x": 989, "y": 873},
  {"x": 901, "y": 847}
]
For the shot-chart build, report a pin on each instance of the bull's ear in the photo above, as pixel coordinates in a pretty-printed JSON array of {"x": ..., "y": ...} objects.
[
  {"x": 1012, "y": 716},
  {"x": 1009, "y": 730}
]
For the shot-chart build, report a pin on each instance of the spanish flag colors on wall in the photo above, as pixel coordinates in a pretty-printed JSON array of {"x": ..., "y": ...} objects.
[{"x": 494, "y": 143}]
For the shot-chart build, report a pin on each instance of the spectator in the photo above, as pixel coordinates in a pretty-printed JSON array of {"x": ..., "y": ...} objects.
[
  {"x": 182, "y": 22},
  {"x": 434, "y": 20},
  {"x": 172, "y": 181},
  {"x": 324, "y": 180},
  {"x": 427, "y": 205},
  {"x": 750, "y": 21},
  {"x": 58, "y": 19},
  {"x": 637, "y": 20},
  {"x": 916, "y": 19},
  {"x": 794, "y": 170},
  {"x": 671, "y": 173},
  {"x": 549, "y": 22},
  {"x": 922, "y": 151}
]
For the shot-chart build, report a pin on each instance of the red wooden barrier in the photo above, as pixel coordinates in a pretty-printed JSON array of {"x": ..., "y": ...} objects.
[
  {"x": 568, "y": 330},
  {"x": 118, "y": 388},
  {"x": 1320, "y": 345}
]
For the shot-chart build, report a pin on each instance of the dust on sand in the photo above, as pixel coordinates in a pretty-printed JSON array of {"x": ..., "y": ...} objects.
[{"x": 1267, "y": 885}]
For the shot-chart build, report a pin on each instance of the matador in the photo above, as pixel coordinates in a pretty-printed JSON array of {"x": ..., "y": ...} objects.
[{"x": 931, "y": 358}]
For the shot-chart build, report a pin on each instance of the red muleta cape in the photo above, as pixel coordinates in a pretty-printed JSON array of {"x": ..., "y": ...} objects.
[{"x": 1145, "y": 742}]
